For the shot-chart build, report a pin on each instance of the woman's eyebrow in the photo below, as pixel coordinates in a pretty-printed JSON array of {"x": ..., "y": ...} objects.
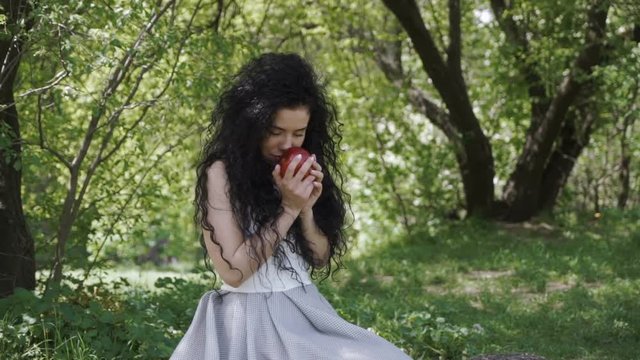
[{"x": 279, "y": 128}]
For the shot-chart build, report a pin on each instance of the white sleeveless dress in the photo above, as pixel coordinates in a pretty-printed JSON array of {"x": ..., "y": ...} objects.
[{"x": 276, "y": 315}]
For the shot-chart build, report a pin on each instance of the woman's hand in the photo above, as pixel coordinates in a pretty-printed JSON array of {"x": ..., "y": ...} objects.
[
  {"x": 296, "y": 190},
  {"x": 316, "y": 171}
]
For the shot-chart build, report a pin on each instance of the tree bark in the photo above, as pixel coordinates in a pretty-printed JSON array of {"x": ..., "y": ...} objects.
[
  {"x": 624, "y": 172},
  {"x": 17, "y": 250}
]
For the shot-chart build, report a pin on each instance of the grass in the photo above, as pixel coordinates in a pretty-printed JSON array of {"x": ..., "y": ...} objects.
[{"x": 569, "y": 291}]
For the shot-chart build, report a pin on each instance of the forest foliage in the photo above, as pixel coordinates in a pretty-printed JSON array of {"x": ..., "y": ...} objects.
[
  {"x": 113, "y": 104},
  {"x": 113, "y": 99}
]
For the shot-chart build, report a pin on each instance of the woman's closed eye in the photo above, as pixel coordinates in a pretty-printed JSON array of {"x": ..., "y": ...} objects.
[{"x": 278, "y": 133}]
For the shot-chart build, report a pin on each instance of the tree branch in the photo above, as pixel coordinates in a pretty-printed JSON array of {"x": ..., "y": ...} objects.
[
  {"x": 408, "y": 14},
  {"x": 508, "y": 25},
  {"x": 42, "y": 145},
  {"x": 71, "y": 203},
  {"x": 515, "y": 36},
  {"x": 114, "y": 118},
  {"x": 454, "y": 51},
  {"x": 438, "y": 116},
  {"x": 113, "y": 121},
  {"x": 438, "y": 25},
  {"x": 587, "y": 59},
  {"x": 388, "y": 56},
  {"x": 264, "y": 20},
  {"x": 122, "y": 209},
  {"x": 51, "y": 84},
  {"x": 216, "y": 21},
  {"x": 113, "y": 83}
]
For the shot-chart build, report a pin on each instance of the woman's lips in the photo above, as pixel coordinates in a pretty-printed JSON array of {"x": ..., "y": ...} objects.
[{"x": 273, "y": 159}]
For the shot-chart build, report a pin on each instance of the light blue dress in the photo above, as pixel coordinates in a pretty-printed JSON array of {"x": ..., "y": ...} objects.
[{"x": 279, "y": 315}]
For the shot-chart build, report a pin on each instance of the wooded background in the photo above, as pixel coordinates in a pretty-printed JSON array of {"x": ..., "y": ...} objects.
[{"x": 504, "y": 110}]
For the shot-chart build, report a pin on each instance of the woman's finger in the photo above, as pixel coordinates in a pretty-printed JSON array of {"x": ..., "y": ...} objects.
[
  {"x": 302, "y": 172},
  {"x": 319, "y": 175},
  {"x": 276, "y": 174},
  {"x": 291, "y": 168},
  {"x": 308, "y": 180}
]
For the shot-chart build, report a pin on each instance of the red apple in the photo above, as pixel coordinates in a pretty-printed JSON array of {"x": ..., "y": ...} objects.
[{"x": 289, "y": 155}]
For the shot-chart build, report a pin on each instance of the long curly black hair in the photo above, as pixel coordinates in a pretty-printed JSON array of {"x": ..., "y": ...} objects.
[{"x": 240, "y": 122}]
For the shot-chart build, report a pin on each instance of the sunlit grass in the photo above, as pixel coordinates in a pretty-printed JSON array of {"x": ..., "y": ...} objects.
[{"x": 566, "y": 291}]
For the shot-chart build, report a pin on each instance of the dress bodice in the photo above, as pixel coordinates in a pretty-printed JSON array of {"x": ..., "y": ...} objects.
[{"x": 270, "y": 278}]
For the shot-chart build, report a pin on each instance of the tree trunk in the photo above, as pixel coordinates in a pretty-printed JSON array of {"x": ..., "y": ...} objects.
[
  {"x": 623, "y": 196},
  {"x": 17, "y": 260},
  {"x": 64, "y": 230},
  {"x": 573, "y": 139},
  {"x": 625, "y": 163},
  {"x": 476, "y": 158},
  {"x": 523, "y": 190},
  {"x": 551, "y": 144}
]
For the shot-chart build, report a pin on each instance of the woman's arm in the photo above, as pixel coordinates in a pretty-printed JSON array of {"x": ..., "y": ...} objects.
[
  {"x": 242, "y": 263},
  {"x": 317, "y": 240}
]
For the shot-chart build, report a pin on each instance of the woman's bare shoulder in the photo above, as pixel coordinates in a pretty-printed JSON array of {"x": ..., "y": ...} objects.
[
  {"x": 218, "y": 168},
  {"x": 217, "y": 182},
  {"x": 217, "y": 174}
]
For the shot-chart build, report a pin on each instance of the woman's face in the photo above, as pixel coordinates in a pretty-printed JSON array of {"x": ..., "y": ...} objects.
[{"x": 288, "y": 129}]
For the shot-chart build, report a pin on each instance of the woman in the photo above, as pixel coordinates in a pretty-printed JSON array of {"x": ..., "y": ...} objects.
[{"x": 266, "y": 233}]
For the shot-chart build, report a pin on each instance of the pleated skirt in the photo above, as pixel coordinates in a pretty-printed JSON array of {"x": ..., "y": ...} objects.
[{"x": 298, "y": 324}]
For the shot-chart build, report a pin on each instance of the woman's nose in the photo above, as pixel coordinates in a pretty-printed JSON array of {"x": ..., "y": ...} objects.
[{"x": 286, "y": 143}]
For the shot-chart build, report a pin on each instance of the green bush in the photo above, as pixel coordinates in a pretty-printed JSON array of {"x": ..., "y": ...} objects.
[
  {"x": 100, "y": 321},
  {"x": 431, "y": 337}
]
